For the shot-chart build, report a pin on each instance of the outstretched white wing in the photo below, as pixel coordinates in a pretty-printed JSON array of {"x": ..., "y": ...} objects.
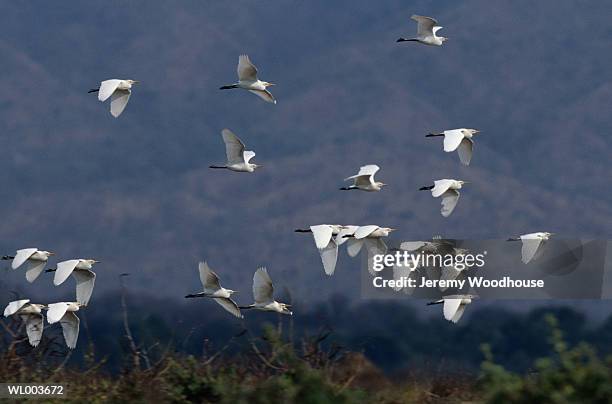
[
  {"x": 22, "y": 256},
  {"x": 530, "y": 248},
  {"x": 248, "y": 155},
  {"x": 329, "y": 257},
  {"x": 449, "y": 201},
  {"x": 34, "y": 327},
  {"x": 353, "y": 247},
  {"x": 234, "y": 148},
  {"x": 107, "y": 88},
  {"x": 34, "y": 270},
  {"x": 322, "y": 234},
  {"x": 452, "y": 139},
  {"x": 119, "y": 100},
  {"x": 229, "y": 305},
  {"x": 70, "y": 327},
  {"x": 85, "y": 280},
  {"x": 451, "y": 307},
  {"x": 365, "y": 231},
  {"x": 13, "y": 307},
  {"x": 55, "y": 312},
  {"x": 366, "y": 172},
  {"x": 262, "y": 286},
  {"x": 209, "y": 279},
  {"x": 458, "y": 313},
  {"x": 441, "y": 186},
  {"x": 264, "y": 95},
  {"x": 425, "y": 25},
  {"x": 63, "y": 271},
  {"x": 246, "y": 70},
  {"x": 465, "y": 151}
]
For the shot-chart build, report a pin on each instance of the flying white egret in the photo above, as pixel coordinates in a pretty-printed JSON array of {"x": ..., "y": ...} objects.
[
  {"x": 460, "y": 140},
  {"x": 65, "y": 313},
  {"x": 364, "y": 179},
  {"x": 426, "y": 32},
  {"x": 213, "y": 289},
  {"x": 448, "y": 189},
  {"x": 370, "y": 235},
  {"x": 454, "y": 305},
  {"x": 34, "y": 259},
  {"x": 247, "y": 80},
  {"x": 327, "y": 244},
  {"x": 82, "y": 273},
  {"x": 532, "y": 245},
  {"x": 118, "y": 90},
  {"x": 31, "y": 315},
  {"x": 263, "y": 294},
  {"x": 237, "y": 157}
]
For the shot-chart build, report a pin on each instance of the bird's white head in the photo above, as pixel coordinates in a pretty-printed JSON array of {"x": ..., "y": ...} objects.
[
  {"x": 461, "y": 183},
  {"x": 443, "y": 39},
  {"x": 547, "y": 235}
]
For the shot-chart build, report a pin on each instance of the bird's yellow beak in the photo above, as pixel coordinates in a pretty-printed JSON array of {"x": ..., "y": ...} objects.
[
  {"x": 51, "y": 253},
  {"x": 96, "y": 261},
  {"x": 269, "y": 84}
]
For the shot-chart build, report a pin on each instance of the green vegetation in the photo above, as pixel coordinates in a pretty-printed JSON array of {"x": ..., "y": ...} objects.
[{"x": 273, "y": 370}]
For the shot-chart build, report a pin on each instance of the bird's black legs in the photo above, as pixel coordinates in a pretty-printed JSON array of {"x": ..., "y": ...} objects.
[
  {"x": 428, "y": 188},
  {"x": 93, "y": 90},
  {"x": 228, "y": 87}
]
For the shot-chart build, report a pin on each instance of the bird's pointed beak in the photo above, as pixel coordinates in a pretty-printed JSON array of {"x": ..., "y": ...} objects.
[
  {"x": 51, "y": 253},
  {"x": 96, "y": 261},
  {"x": 136, "y": 82},
  {"x": 270, "y": 84}
]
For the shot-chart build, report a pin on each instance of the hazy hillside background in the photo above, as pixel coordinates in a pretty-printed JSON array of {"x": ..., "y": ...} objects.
[{"x": 136, "y": 192}]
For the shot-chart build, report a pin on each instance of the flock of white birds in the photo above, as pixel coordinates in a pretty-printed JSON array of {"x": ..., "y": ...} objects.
[{"x": 328, "y": 238}]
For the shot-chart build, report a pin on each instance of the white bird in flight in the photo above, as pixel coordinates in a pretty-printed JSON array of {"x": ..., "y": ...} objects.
[
  {"x": 247, "y": 80},
  {"x": 426, "y": 31},
  {"x": 454, "y": 305},
  {"x": 237, "y": 157},
  {"x": 460, "y": 140},
  {"x": 118, "y": 90},
  {"x": 85, "y": 278},
  {"x": 263, "y": 294},
  {"x": 532, "y": 245},
  {"x": 34, "y": 259},
  {"x": 213, "y": 289},
  {"x": 448, "y": 189},
  {"x": 65, "y": 313},
  {"x": 371, "y": 235},
  {"x": 31, "y": 315},
  {"x": 364, "y": 179},
  {"x": 327, "y": 244}
]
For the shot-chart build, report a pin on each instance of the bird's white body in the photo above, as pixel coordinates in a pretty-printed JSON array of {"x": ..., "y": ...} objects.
[
  {"x": 371, "y": 236},
  {"x": 448, "y": 189},
  {"x": 247, "y": 80},
  {"x": 454, "y": 306},
  {"x": 212, "y": 289},
  {"x": 263, "y": 294},
  {"x": 238, "y": 158},
  {"x": 426, "y": 31},
  {"x": 460, "y": 140},
  {"x": 364, "y": 179},
  {"x": 65, "y": 314},
  {"x": 119, "y": 91},
  {"x": 327, "y": 244},
  {"x": 34, "y": 259},
  {"x": 532, "y": 245},
  {"x": 85, "y": 278},
  {"x": 31, "y": 315}
]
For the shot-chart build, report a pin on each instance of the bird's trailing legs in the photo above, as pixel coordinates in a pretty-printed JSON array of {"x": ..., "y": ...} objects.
[
  {"x": 435, "y": 302},
  {"x": 93, "y": 90},
  {"x": 51, "y": 270},
  {"x": 217, "y": 167},
  {"x": 434, "y": 134},
  {"x": 348, "y": 188},
  {"x": 303, "y": 231},
  {"x": 407, "y": 40},
  {"x": 229, "y": 87},
  {"x": 427, "y": 188},
  {"x": 7, "y": 257}
]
